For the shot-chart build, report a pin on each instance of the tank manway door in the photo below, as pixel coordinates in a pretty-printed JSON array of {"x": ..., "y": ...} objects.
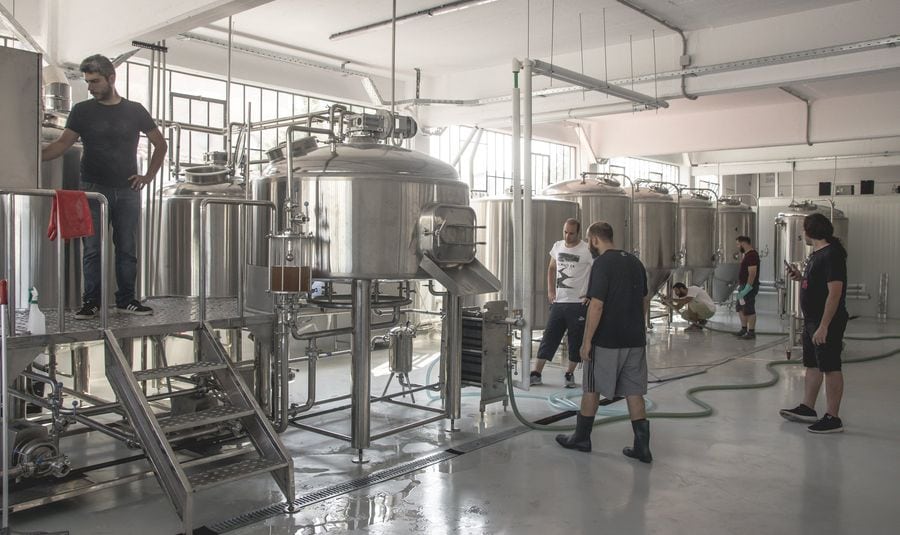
[
  {"x": 484, "y": 342},
  {"x": 447, "y": 248}
]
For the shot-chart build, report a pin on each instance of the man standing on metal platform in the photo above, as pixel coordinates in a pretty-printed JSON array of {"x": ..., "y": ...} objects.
[
  {"x": 615, "y": 342},
  {"x": 109, "y": 127},
  {"x": 567, "y": 277}
]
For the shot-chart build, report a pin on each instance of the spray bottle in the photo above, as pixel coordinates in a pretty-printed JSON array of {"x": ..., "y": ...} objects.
[{"x": 37, "y": 324}]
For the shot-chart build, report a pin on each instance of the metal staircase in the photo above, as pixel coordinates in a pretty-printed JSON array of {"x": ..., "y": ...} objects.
[{"x": 180, "y": 480}]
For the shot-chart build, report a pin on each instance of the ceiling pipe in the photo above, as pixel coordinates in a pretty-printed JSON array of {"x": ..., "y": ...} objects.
[
  {"x": 885, "y": 154},
  {"x": 441, "y": 9},
  {"x": 685, "y": 59}
]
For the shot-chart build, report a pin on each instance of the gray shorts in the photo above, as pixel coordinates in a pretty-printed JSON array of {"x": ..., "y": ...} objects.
[{"x": 616, "y": 372}]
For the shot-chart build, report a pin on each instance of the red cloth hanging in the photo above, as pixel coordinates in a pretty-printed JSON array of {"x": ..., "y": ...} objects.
[{"x": 74, "y": 216}]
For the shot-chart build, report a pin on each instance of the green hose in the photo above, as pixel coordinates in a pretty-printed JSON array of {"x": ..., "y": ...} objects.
[{"x": 705, "y": 408}]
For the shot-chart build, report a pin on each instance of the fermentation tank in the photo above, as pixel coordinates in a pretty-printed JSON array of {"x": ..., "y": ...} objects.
[
  {"x": 365, "y": 202},
  {"x": 654, "y": 233},
  {"x": 599, "y": 200},
  {"x": 697, "y": 237},
  {"x": 178, "y": 263},
  {"x": 734, "y": 219},
  {"x": 495, "y": 215}
]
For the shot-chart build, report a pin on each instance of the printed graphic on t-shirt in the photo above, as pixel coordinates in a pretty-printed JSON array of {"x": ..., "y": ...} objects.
[{"x": 565, "y": 264}]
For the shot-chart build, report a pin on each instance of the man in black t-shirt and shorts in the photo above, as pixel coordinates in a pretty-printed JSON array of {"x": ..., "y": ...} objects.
[
  {"x": 823, "y": 294},
  {"x": 615, "y": 340},
  {"x": 109, "y": 127}
]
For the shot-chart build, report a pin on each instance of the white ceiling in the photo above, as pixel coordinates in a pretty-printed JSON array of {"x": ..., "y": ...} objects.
[{"x": 487, "y": 34}]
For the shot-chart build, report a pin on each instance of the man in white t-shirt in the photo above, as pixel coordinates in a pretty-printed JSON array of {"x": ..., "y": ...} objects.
[
  {"x": 567, "y": 278},
  {"x": 698, "y": 306}
]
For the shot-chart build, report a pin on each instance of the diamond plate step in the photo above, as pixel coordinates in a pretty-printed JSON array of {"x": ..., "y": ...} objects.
[
  {"x": 180, "y": 369},
  {"x": 233, "y": 472},
  {"x": 205, "y": 417}
]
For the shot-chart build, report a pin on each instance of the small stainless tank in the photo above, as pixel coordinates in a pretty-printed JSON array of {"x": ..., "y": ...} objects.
[
  {"x": 178, "y": 268},
  {"x": 733, "y": 219},
  {"x": 400, "y": 356},
  {"x": 600, "y": 200},
  {"x": 548, "y": 217},
  {"x": 697, "y": 236},
  {"x": 790, "y": 241},
  {"x": 655, "y": 234}
]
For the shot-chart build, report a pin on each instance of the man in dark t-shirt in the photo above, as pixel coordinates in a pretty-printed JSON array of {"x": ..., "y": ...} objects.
[
  {"x": 823, "y": 294},
  {"x": 110, "y": 127},
  {"x": 614, "y": 344},
  {"x": 748, "y": 287}
]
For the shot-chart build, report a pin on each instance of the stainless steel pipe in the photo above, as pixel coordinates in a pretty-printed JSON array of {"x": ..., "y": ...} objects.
[
  {"x": 452, "y": 358},
  {"x": 361, "y": 366}
]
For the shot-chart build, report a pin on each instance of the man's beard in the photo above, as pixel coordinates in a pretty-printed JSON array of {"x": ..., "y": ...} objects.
[{"x": 594, "y": 251}]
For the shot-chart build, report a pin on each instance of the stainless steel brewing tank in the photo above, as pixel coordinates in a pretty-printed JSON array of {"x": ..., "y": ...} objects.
[
  {"x": 790, "y": 241},
  {"x": 655, "y": 234},
  {"x": 789, "y": 237},
  {"x": 733, "y": 219},
  {"x": 178, "y": 262},
  {"x": 495, "y": 215},
  {"x": 599, "y": 201},
  {"x": 365, "y": 200},
  {"x": 697, "y": 239}
]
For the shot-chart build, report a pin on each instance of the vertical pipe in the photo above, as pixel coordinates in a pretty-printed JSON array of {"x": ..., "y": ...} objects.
[
  {"x": 777, "y": 184},
  {"x": 515, "y": 303},
  {"x": 4, "y": 397},
  {"x": 11, "y": 263},
  {"x": 104, "y": 264},
  {"x": 282, "y": 356},
  {"x": 793, "y": 171},
  {"x": 527, "y": 259},
  {"x": 360, "y": 371},
  {"x": 60, "y": 279},
  {"x": 471, "y": 174},
  {"x": 201, "y": 290},
  {"x": 453, "y": 363},
  {"x": 81, "y": 370},
  {"x": 230, "y": 162},
  {"x": 883, "y": 296}
]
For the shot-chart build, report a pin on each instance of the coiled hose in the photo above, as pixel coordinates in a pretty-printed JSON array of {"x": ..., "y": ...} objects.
[{"x": 705, "y": 408}]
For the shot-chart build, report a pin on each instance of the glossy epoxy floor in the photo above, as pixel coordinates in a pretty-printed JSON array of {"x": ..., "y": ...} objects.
[{"x": 743, "y": 470}]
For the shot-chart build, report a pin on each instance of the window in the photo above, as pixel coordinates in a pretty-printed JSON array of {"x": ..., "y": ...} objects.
[
  {"x": 640, "y": 169},
  {"x": 199, "y": 101},
  {"x": 491, "y": 165}
]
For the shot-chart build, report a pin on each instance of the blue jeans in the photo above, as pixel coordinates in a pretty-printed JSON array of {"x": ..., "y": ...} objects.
[{"x": 124, "y": 218}]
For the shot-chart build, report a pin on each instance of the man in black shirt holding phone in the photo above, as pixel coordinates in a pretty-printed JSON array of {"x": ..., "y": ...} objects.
[{"x": 823, "y": 290}]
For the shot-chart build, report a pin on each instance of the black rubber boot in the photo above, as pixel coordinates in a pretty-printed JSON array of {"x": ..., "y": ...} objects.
[
  {"x": 581, "y": 439},
  {"x": 641, "y": 448}
]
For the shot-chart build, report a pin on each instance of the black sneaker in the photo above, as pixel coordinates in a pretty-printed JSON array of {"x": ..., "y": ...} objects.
[
  {"x": 535, "y": 379},
  {"x": 570, "y": 380},
  {"x": 135, "y": 307},
  {"x": 740, "y": 333},
  {"x": 88, "y": 311},
  {"x": 749, "y": 335},
  {"x": 800, "y": 413},
  {"x": 828, "y": 424}
]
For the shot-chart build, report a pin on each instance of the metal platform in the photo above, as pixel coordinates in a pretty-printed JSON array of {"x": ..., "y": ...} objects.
[{"x": 170, "y": 315}]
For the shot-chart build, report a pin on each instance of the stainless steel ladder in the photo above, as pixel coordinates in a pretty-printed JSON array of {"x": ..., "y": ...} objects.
[{"x": 181, "y": 480}]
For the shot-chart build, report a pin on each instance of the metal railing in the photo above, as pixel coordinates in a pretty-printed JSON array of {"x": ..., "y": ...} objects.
[{"x": 11, "y": 194}]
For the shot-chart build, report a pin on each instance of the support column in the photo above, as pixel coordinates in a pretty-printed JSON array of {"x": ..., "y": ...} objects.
[{"x": 361, "y": 366}]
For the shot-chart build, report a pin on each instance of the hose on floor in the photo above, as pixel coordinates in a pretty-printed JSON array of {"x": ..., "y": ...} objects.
[{"x": 705, "y": 408}]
